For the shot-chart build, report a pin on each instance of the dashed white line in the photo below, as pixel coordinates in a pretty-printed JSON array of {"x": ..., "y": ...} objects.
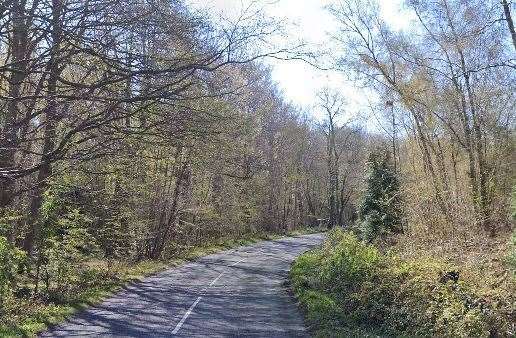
[
  {"x": 182, "y": 321},
  {"x": 220, "y": 275},
  {"x": 187, "y": 313},
  {"x": 237, "y": 262},
  {"x": 216, "y": 279}
]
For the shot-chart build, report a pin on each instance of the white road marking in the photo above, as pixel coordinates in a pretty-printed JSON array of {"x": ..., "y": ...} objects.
[
  {"x": 216, "y": 279},
  {"x": 182, "y": 321},
  {"x": 190, "y": 310},
  {"x": 220, "y": 275},
  {"x": 237, "y": 262}
]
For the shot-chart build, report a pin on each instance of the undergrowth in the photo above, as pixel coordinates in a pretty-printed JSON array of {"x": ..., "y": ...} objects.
[{"x": 351, "y": 289}]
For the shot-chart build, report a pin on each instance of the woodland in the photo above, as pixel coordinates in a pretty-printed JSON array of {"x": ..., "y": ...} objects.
[{"x": 133, "y": 133}]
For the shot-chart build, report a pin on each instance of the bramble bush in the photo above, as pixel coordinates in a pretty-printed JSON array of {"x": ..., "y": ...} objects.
[{"x": 511, "y": 257}]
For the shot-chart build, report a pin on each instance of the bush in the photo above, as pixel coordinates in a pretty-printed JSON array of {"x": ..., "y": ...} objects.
[
  {"x": 390, "y": 296},
  {"x": 511, "y": 257},
  {"x": 348, "y": 262}
]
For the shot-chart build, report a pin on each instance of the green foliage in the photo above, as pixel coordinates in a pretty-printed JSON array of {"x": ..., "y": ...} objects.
[
  {"x": 347, "y": 261},
  {"x": 114, "y": 239},
  {"x": 321, "y": 308},
  {"x": 357, "y": 289},
  {"x": 10, "y": 260},
  {"x": 381, "y": 208},
  {"x": 64, "y": 243}
]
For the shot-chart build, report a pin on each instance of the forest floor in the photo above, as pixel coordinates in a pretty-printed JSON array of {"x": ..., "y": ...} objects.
[{"x": 104, "y": 278}]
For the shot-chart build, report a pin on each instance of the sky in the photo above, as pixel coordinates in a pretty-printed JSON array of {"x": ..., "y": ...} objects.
[{"x": 310, "y": 22}]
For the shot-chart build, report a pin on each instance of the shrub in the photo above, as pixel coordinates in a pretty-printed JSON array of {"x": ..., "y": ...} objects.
[
  {"x": 63, "y": 245},
  {"x": 347, "y": 263}
]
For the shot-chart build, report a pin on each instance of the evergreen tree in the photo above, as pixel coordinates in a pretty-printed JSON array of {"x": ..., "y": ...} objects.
[{"x": 381, "y": 208}]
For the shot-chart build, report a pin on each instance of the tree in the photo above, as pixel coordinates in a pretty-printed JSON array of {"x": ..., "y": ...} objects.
[
  {"x": 332, "y": 104},
  {"x": 342, "y": 146},
  {"x": 381, "y": 209}
]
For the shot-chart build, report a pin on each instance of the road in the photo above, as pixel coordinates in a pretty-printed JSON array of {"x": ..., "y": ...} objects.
[{"x": 235, "y": 293}]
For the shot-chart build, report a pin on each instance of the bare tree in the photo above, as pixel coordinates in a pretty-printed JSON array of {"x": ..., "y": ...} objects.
[{"x": 339, "y": 137}]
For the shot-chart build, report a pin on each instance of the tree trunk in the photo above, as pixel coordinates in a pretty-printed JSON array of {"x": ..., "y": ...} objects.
[
  {"x": 166, "y": 224},
  {"x": 510, "y": 23},
  {"x": 333, "y": 175},
  {"x": 49, "y": 133},
  {"x": 8, "y": 131}
]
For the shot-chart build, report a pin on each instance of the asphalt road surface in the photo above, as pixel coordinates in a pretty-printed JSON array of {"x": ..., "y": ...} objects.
[{"x": 235, "y": 293}]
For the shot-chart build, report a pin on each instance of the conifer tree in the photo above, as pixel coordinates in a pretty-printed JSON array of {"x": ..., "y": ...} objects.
[{"x": 381, "y": 208}]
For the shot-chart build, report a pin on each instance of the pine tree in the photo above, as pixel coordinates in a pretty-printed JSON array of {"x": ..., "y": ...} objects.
[{"x": 381, "y": 208}]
